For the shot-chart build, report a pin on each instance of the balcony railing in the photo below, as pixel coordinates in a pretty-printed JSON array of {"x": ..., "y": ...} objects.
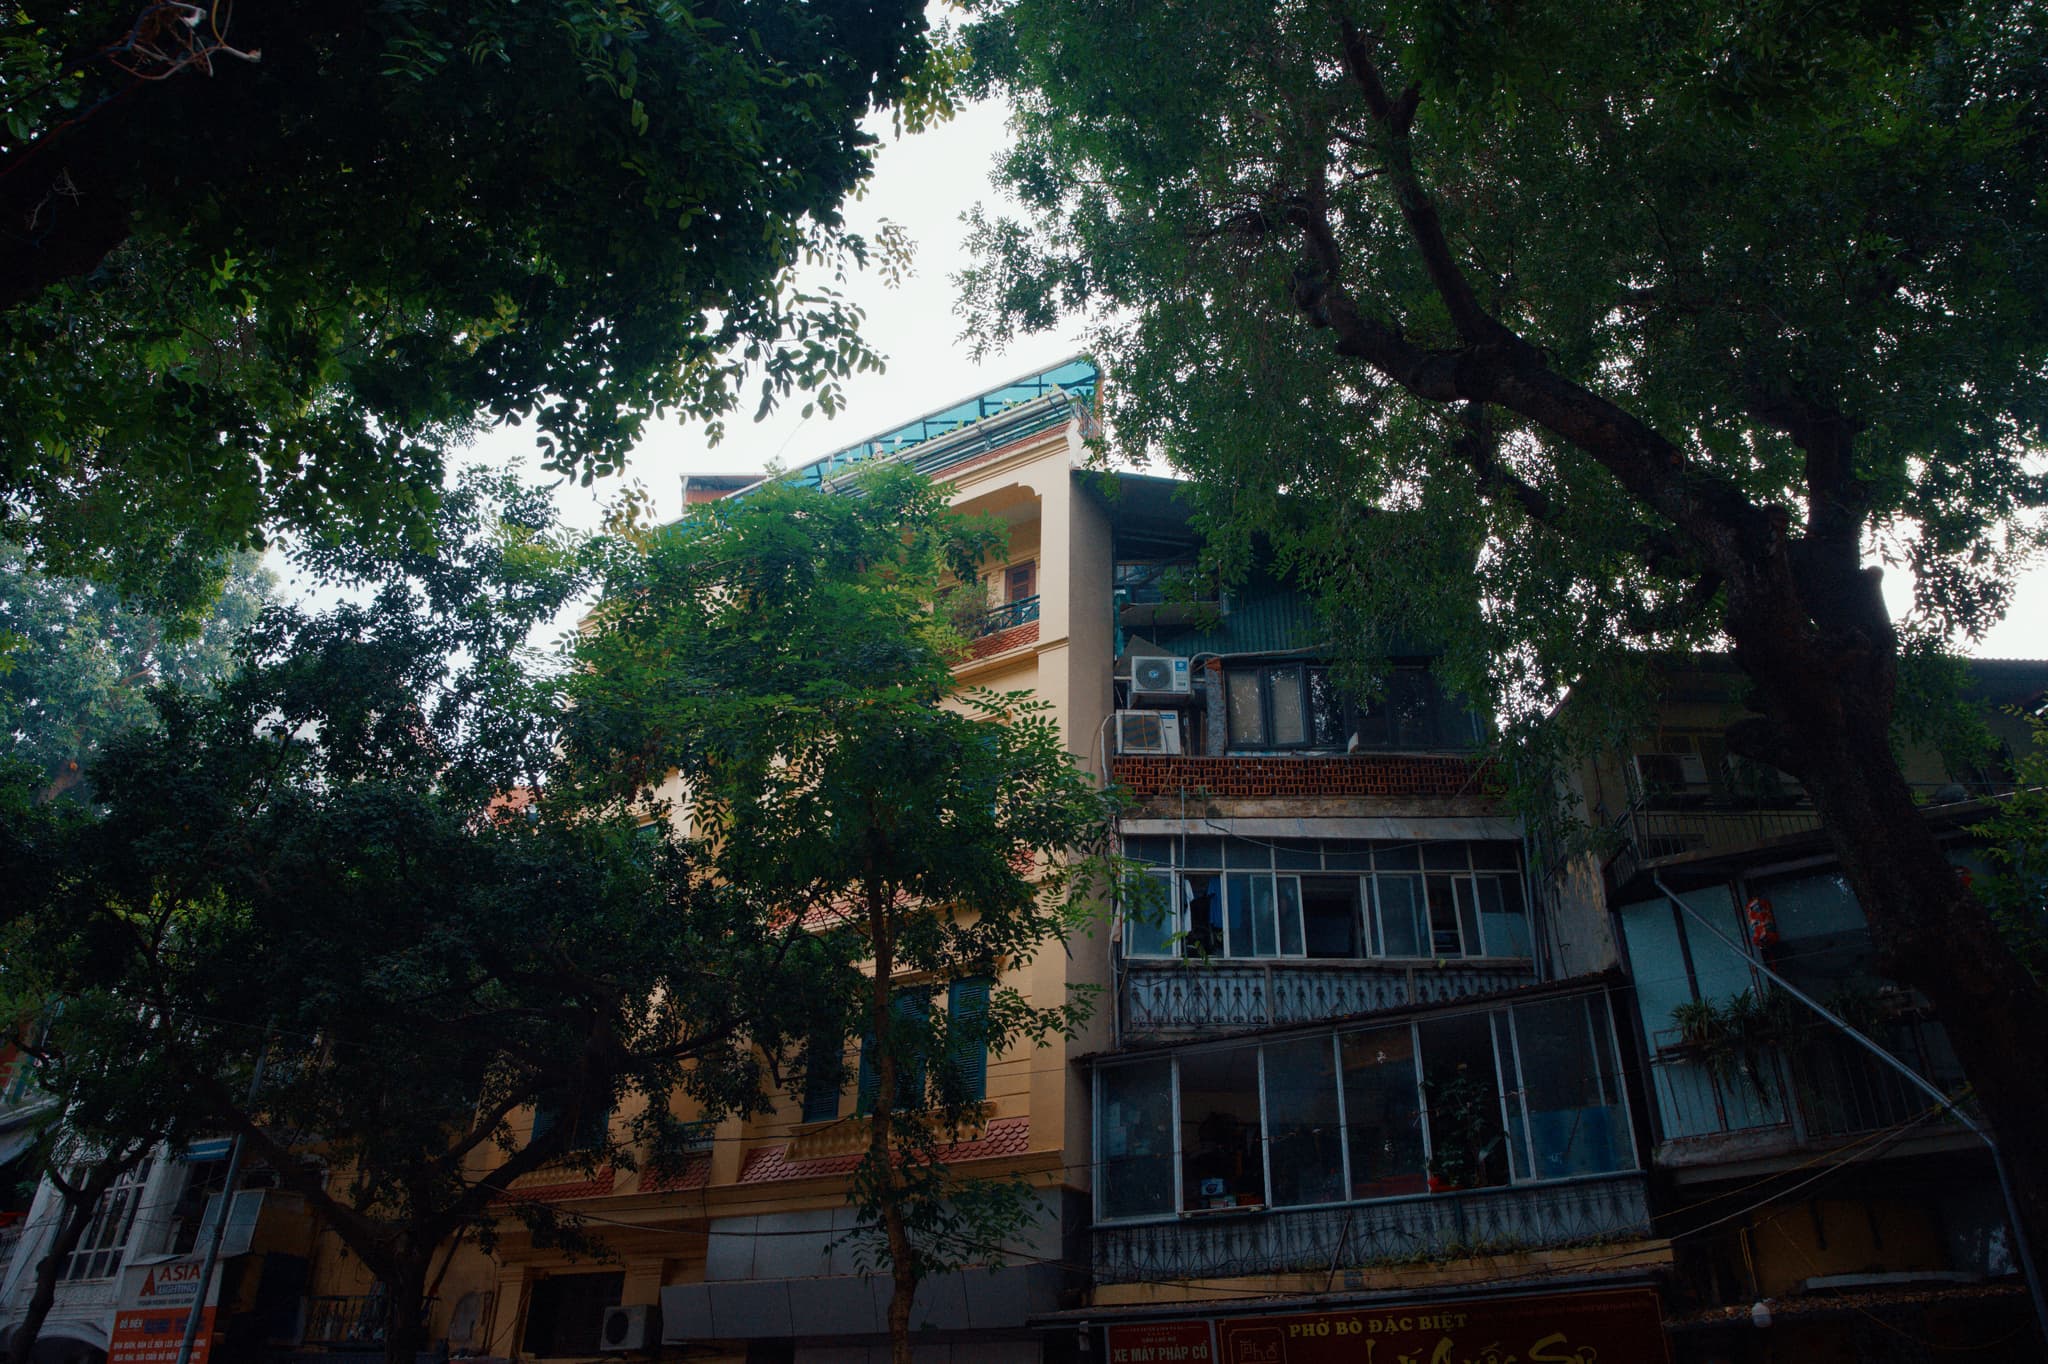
[
  {"x": 1325, "y": 1239},
  {"x": 1819, "y": 1086},
  {"x": 1195, "y": 997},
  {"x": 352, "y": 1321},
  {"x": 1007, "y": 616},
  {"x": 1655, "y": 829}
]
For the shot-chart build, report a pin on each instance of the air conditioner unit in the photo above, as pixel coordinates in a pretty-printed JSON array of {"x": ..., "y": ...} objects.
[
  {"x": 698, "y": 1137},
  {"x": 1671, "y": 771},
  {"x": 630, "y": 1328},
  {"x": 1155, "y": 675},
  {"x": 1147, "y": 731}
]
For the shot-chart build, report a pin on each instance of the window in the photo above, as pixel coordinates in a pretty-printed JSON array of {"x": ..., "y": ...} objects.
[
  {"x": 593, "y": 1126},
  {"x": 1134, "y": 1107},
  {"x": 565, "y": 1312},
  {"x": 1020, "y": 581},
  {"x": 105, "y": 1241},
  {"x": 1283, "y": 705},
  {"x": 963, "y": 1076},
  {"x": 824, "y": 1078},
  {"x": 1333, "y": 900},
  {"x": 1517, "y": 1094},
  {"x": 1222, "y": 1157},
  {"x": 1413, "y": 714}
]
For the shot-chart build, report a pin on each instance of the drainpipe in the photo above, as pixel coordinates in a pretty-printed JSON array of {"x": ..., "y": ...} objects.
[
  {"x": 1913, "y": 1077},
  {"x": 220, "y": 1225}
]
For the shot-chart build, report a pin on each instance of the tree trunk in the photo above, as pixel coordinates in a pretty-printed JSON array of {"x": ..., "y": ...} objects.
[
  {"x": 1825, "y": 672},
  {"x": 405, "y": 1302},
  {"x": 79, "y": 1206},
  {"x": 881, "y": 1129}
]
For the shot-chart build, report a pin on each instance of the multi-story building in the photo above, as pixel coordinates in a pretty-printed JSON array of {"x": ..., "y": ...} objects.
[
  {"x": 1801, "y": 1172},
  {"x": 1370, "y": 1079}
]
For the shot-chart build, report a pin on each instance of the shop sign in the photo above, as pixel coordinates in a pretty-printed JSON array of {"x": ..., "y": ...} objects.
[
  {"x": 156, "y": 1299},
  {"x": 1160, "y": 1342},
  {"x": 1611, "y": 1327}
]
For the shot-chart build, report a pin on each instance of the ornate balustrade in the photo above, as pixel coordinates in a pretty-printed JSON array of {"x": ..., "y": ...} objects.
[
  {"x": 1211, "y": 1245},
  {"x": 1169, "y": 998}
]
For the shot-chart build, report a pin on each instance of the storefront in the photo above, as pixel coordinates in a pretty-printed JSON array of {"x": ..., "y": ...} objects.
[{"x": 1611, "y": 1326}]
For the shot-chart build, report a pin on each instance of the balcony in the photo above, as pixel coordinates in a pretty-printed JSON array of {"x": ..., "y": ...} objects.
[
  {"x": 1658, "y": 829},
  {"x": 1001, "y": 629},
  {"x": 348, "y": 1322},
  {"x": 1175, "y": 998},
  {"x": 1325, "y": 1239},
  {"x": 1005, "y": 617},
  {"x": 1817, "y": 1088}
]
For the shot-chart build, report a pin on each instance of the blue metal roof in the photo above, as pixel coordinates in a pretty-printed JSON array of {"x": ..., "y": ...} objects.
[{"x": 1076, "y": 377}]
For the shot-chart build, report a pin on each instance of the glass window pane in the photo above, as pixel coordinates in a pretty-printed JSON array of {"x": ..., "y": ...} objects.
[
  {"x": 1241, "y": 852},
  {"x": 1325, "y": 711},
  {"x": 1301, "y": 1122},
  {"x": 1467, "y": 1144},
  {"x": 1298, "y": 854},
  {"x": 1517, "y": 1143},
  {"x": 1200, "y": 852},
  {"x": 1347, "y": 856},
  {"x": 1444, "y": 940},
  {"x": 1445, "y": 857},
  {"x": 1383, "y": 1119},
  {"x": 1154, "y": 849},
  {"x": 1149, "y": 919},
  {"x": 1468, "y": 914},
  {"x": 1241, "y": 705},
  {"x": 1288, "y": 908},
  {"x": 1329, "y": 913},
  {"x": 1497, "y": 856},
  {"x": 1400, "y": 905},
  {"x": 1575, "y": 1116},
  {"x": 1202, "y": 913},
  {"x": 1397, "y": 857},
  {"x": 1265, "y": 932},
  {"x": 1242, "y": 939},
  {"x": 1503, "y": 922},
  {"x": 1137, "y": 1139},
  {"x": 1221, "y": 1165},
  {"x": 1290, "y": 716}
]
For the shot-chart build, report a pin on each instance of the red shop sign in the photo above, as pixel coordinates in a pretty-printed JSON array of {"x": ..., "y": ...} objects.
[
  {"x": 1160, "y": 1342},
  {"x": 1620, "y": 1326}
]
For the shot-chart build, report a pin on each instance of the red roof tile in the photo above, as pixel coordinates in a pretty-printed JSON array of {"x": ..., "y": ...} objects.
[{"x": 1003, "y": 1137}]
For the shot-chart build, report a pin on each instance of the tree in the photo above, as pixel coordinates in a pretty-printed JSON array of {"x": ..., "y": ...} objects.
[
  {"x": 265, "y": 265},
  {"x": 77, "y": 661},
  {"x": 1574, "y": 331},
  {"x": 346, "y": 861},
  {"x": 782, "y": 654}
]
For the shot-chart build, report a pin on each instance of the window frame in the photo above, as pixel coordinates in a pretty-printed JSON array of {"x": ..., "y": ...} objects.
[
  {"x": 1306, "y": 690},
  {"x": 103, "y": 1247},
  {"x": 1518, "y": 1136},
  {"x": 1462, "y": 884}
]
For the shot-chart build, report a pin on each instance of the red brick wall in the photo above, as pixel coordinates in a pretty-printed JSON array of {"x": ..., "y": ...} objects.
[{"x": 1360, "y": 775}]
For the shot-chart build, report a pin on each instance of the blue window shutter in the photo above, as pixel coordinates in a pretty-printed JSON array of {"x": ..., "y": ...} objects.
[
  {"x": 870, "y": 1079},
  {"x": 967, "y": 1055},
  {"x": 827, "y": 1076},
  {"x": 545, "y": 1115}
]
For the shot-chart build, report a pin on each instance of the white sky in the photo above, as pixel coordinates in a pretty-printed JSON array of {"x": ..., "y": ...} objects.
[{"x": 926, "y": 183}]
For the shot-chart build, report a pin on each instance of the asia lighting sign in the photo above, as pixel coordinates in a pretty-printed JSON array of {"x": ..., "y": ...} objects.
[
  {"x": 156, "y": 1299},
  {"x": 1608, "y": 1327}
]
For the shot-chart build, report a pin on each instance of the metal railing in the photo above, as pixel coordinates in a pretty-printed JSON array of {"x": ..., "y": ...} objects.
[
  {"x": 1816, "y": 1086},
  {"x": 347, "y": 1321},
  {"x": 1004, "y": 617},
  {"x": 1198, "y": 997}
]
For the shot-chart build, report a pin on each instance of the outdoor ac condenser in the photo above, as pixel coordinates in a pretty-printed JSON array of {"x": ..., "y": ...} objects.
[{"x": 630, "y": 1328}]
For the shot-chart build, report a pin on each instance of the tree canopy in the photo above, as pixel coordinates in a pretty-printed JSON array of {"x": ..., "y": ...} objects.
[
  {"x": 782, "y": 654},
  {"x": 1568, "y": 331},
  {"x": 346, "y": 859},
  {"x": 264, "y": 265},
  {"x": 77, "y": 660}
]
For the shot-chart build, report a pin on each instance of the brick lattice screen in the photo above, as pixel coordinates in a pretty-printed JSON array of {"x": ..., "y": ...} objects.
[{"x": 1361, "y": 775}]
